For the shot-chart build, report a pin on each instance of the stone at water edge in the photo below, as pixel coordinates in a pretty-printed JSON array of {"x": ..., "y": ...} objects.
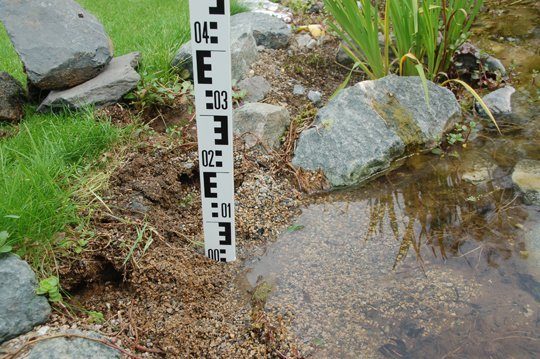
[
  {"x": 73, "y": 348},
  {"x": 12, "y": 98},
  {"x": 261, "y": 122},
  {"x": 256, "y": 88},
  {"x": 243, "y": 53},
  {"x": 526, "y": 177},
  {"x": 477, "y": 169},
  {"x": 268, "y": 31},
  {"x": 118, "y": 78},
  {"x": 60, "y": 44},
  {"x": 366, "y": 127},
  {"x": 499, "y": 102},
  {"x": 20, "y": 308}
]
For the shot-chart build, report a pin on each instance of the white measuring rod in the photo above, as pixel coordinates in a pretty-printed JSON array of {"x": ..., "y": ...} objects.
[{"x": 211, "y": 45}]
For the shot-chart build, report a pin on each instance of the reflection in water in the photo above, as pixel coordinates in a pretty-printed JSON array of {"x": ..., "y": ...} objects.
[
  {"x": 423, "y": 263},
  {"x": 415, "y": 266}
]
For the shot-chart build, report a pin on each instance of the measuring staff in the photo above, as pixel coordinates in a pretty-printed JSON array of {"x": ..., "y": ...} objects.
[{"x": 211, "y": 50}]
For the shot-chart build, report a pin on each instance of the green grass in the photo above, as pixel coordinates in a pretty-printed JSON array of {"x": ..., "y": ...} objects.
[
  {"x": 39, "y": 167},
  {"x": 156, "y": 28},
  {"x": 9, "y": 61}
]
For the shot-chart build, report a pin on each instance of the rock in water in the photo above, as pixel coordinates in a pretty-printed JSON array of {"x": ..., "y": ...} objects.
[
  {"x": 261, "y": 122},
  {"x": 118, "y": 78},
  {"x": 366, "y": 127},
  {"x": 526, "y": 177},
  {"x": 12, "y": 97},
  {"x": 60, "y": 43},
  {"x": 20, "y": 308},
  {"x": 243, "y": 53},
  {"x": 73, "y": 348},
  {"x": 499, "y": 102},
  {"x": 268, "y": 31},
  {"x": 256, "y": 88}
]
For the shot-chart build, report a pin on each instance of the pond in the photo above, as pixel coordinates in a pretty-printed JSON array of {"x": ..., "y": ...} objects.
[{"x": 439, "y": 259}]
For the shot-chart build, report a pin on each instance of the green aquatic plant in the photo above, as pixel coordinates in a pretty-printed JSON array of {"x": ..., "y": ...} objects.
[{"x": 428, "y": 30}]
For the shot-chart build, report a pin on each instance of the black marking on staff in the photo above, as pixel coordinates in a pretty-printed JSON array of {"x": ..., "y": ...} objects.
[
  {"x": 203, "y": 67},
  {"x": 219, "y": 9},
  {"x": 226, "y": 233},
  {"x": 209, "y": 94},
  {"x": 222, "y": 129},
  {"x": 209, "y": 184}
]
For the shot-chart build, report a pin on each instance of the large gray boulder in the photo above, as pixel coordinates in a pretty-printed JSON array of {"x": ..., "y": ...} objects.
[
  {"x": 12, "y": 97},
  {"x": 526, "y": 177},
  {"x": 20, "y": 308},
  {"x": 118, "y": 78},
  {"x": 243, "y": 52},
  {"x": 261, "y": 123},
  {"x": 60, "y": 44},
  {"x": 365, "y": 128},
  {"x": 73, "y": 348},
  {"x": 269, "y": 31}
]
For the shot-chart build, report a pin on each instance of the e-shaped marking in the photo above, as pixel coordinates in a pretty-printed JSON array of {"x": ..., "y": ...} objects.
[
  {"x": 203, "y": 67},
  {"x": 226, "y": 233},
  {"x": 222, "y": 129},
  {"x": 209, "y": 184}
]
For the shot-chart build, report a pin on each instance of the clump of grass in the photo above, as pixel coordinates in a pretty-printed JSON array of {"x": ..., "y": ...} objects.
[
  {"x": 427, "y": 30},
  {"x": 38, "y": 168},
  {"x": 9, "y": 60}
]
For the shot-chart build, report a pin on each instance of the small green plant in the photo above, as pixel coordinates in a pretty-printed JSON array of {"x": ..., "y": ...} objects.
[
  {"x": 95, "y": 317},
  {"x": 159, "y": 90},
  {"x": 50, "y": 287},
  {"x": 4, "y": 245},
  {"x": 295, "y": 228}
]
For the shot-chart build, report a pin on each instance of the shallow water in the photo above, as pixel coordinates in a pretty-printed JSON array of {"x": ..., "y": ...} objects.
[{"x": 423, "y": 263}]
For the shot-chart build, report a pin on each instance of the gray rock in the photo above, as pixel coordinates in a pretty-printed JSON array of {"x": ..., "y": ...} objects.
[
  {"x": 299, "y": 90},
  {"x": 359, "y": 133},
  {"x": 493, "y": 65},
  {"x": 312, "y": 44},
  {"x": 269, "y": 7},
  {"x": 243, "y": 52},
  {"x": 60, "y": 43},
  {"x": 526, "y": 177},
  {"x": 256, "y": 88},
  {"x": 478, "y": 170},
  {"x": 118, "y": 78},
  {"x": 315, "y": 97},
  {"x": 20, "y": 308},
  {"x": 268, "y": 31},
  {"x": 73, "y": 348},
  {"x": 261, "y": 122},
  {"x": 303, "y": 40},
  {"x": 183, "y": 58},
  {"x": 343, "y": 58},
  {"x": 12, "y": 97},
  {"x": 499, "y": 102}
]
